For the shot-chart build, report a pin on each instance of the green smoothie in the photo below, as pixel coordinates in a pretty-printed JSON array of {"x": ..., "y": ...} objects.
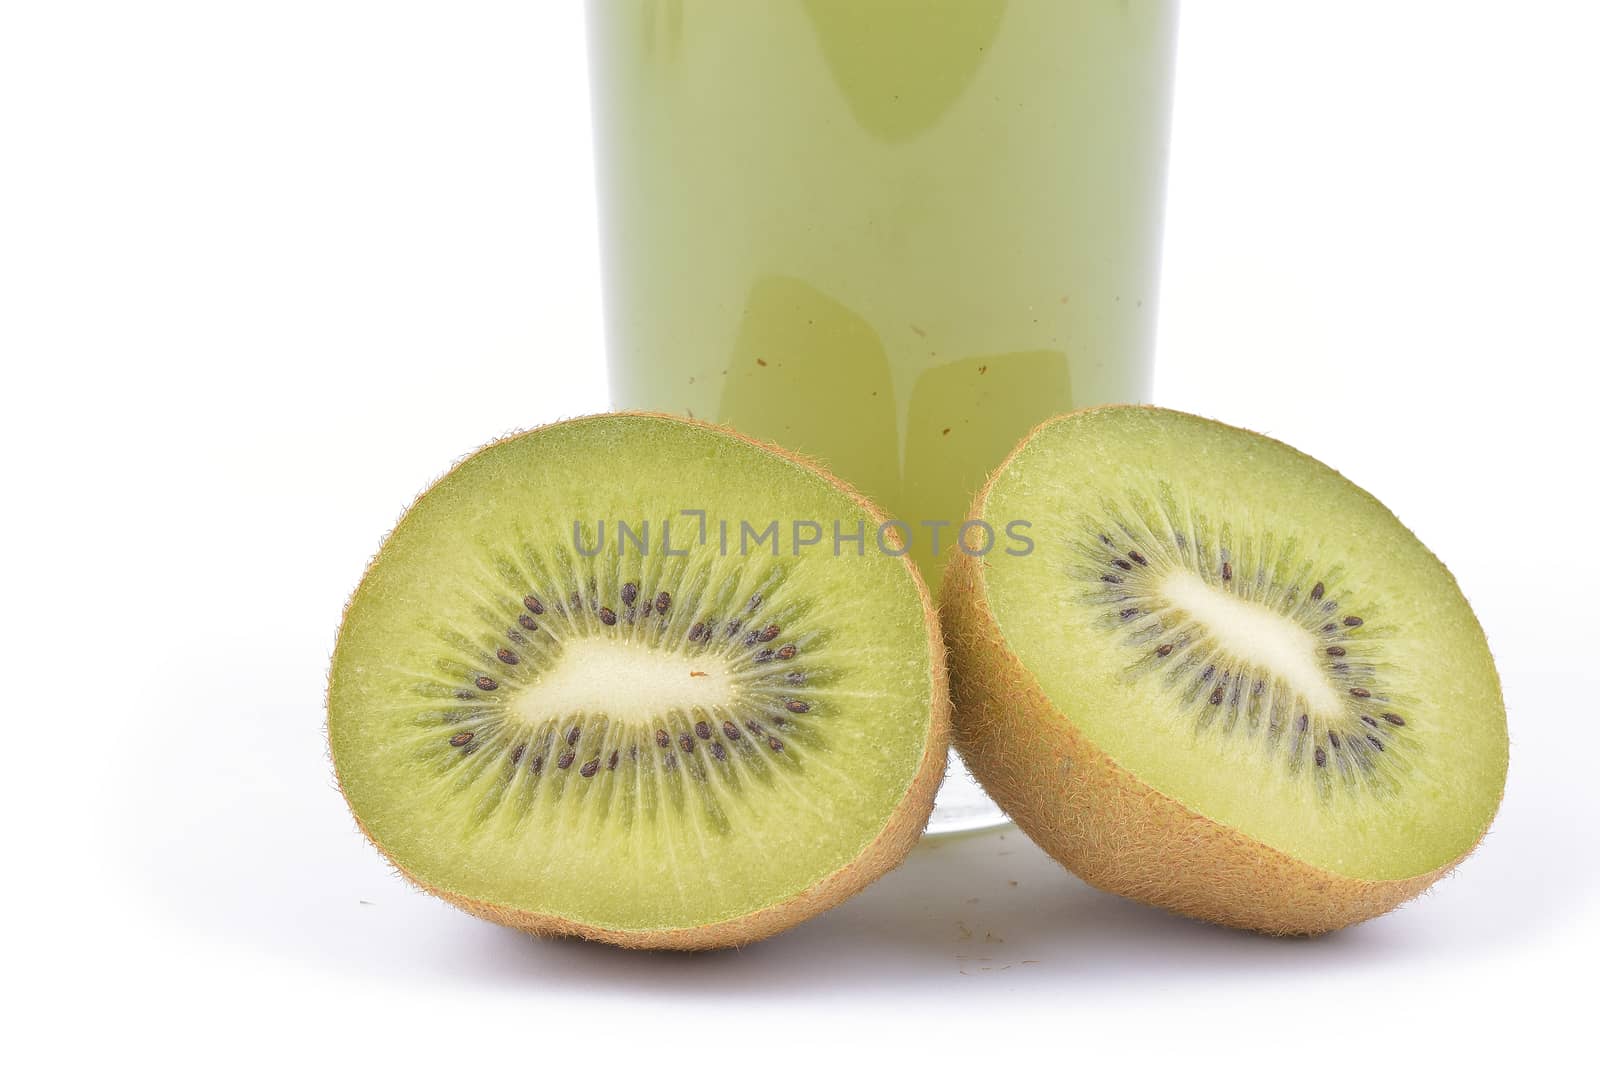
[{"x": 891, "y": 234}]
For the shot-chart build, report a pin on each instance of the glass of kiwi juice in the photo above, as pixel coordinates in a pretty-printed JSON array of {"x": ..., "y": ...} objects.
[{"x": 893, "y": 235}]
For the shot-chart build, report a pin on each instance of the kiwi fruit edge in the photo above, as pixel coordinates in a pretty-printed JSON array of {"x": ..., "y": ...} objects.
[
  {"x": 901, "y": 830},
  {"x": 1103, "y": 822}
]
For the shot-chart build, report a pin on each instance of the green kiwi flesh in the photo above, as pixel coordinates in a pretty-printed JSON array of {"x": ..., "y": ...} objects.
[
  {"x": 1249, "y": 635},
  {"x": 654, "y": 747}
]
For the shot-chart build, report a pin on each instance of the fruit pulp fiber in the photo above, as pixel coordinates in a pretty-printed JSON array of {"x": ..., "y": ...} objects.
[{"x": 892, "y": 235}]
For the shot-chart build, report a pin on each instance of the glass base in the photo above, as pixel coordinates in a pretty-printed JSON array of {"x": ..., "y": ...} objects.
[{"x": 962, "y": 806}]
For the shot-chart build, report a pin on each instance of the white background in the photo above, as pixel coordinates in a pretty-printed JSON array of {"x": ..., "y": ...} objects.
[{"x": 268, "y": 268}]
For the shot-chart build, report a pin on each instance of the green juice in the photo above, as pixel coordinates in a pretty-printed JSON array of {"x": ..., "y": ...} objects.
[{"x": 891, "y": 234}]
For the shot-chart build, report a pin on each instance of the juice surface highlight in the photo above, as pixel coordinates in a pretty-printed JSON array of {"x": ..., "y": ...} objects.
[{"x": 891, "y": 234}]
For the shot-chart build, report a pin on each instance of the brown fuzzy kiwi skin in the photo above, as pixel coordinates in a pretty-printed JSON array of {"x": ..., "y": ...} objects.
[
  {"x": 881, "y": 855},
  {"x": 1102, "y": 822}
]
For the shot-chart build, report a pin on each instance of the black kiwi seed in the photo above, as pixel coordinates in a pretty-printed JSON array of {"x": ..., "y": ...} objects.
[
  {"x": 482, "y": 714},
  {"x": 1333, "y": 739},
  {"x": 1124, "y": 564},
  {"x": 1335, "y": 650},
  {"x": 1317, "y": 591},
  {"x": 1111, "y": 579},
  {"x": 1322, "y": 757},
  {"x": 1216, "y": 696},
  {"x": 1369, "y": 720},
  {"x": 1393, "y": 719},
  {"x": 1137, "y": 558},
  {"x": 1128, "y": 613},
  {"x": 1374, "y": 742},
  {"x": 1164, "y": 650},
  {"x": 1360, "y": 693},
  {"x": 1227, "y": 571},
  {"x": 1352, "y": 621}
]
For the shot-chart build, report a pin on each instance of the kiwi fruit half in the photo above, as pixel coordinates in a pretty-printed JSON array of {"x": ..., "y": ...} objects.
[
  {"x": 596, "y": 683},
  {"x": 1224, "y": 680}
]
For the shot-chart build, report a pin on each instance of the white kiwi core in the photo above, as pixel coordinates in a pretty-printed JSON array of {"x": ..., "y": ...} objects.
[
  {"x": 1256, "y": 635},
  {"x": 625, "y": 681}
]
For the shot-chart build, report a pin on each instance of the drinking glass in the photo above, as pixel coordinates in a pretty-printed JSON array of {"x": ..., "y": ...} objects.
[{"x": 890, "y": 234}]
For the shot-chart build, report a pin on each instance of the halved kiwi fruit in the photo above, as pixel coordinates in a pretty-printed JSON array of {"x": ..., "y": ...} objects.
[
  {"x": 1225, "y": 680},
  {"x": 678, "y": 725}
]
